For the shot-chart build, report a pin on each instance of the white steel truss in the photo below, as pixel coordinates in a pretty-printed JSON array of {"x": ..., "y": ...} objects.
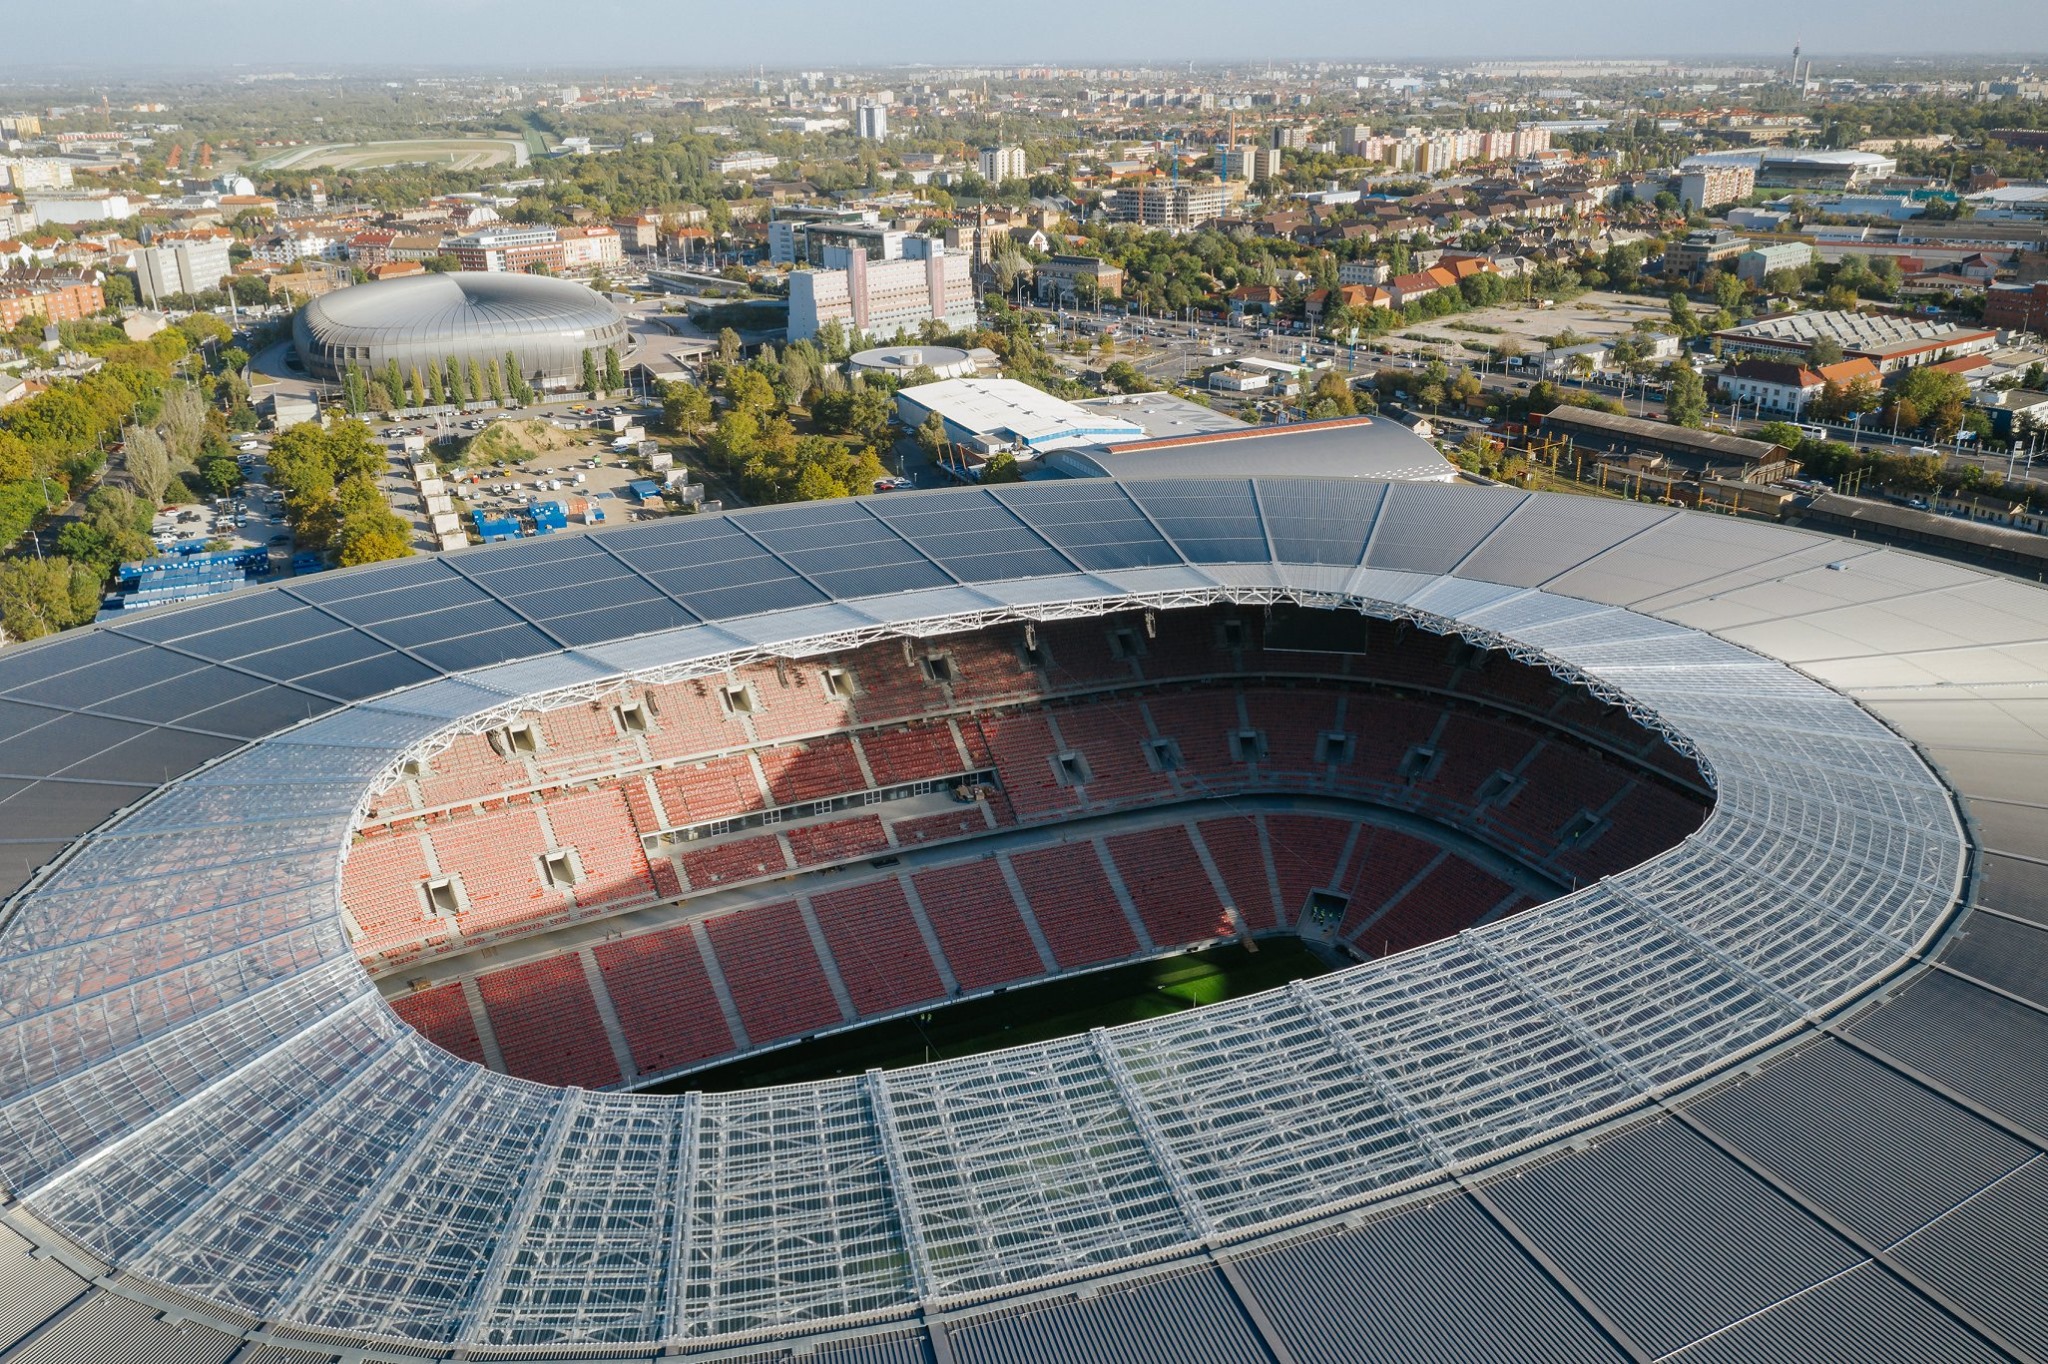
[{"x": 406, "y": 1196}]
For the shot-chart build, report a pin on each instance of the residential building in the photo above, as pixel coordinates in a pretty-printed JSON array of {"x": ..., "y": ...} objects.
[
  {"x": 183, "y": 262},
  {"x": 52, "y": 295},
  {"x": 744, "y": 163},
  {"x": 639, "y": 232},
  {"x": 1175, "y": 208},
  {"x": 871, "y": 121},
  {"x": 999, "y": 164},
  {"x": 1705, "y": 185},
  {"x": 882, "y": 298},
  {"x": 1262, "y": 163},
  {"x": 516, "y": 249},
  {"x": 1763, "y": 260},
  {"x": 1289, "y": 138},
  {"x": 1068, "y": 280},
  {"x": 289, "y": 248},
  {"x": 25, "y": 173},
  {"x": 370, "y": 248},
  {"x": 593, "y": 248},
  {"x": 1369, "y": 271}
]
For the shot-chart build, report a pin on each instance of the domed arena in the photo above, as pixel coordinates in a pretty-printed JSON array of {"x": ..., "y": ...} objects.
[
  {"x": 1630, "y": 925},
  {"x": 549, "y": 324}
]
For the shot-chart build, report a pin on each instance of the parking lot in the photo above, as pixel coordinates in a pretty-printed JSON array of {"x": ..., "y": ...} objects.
[
  {"x": 254, "y": 515},
  {"x": 583, "y": 449}
]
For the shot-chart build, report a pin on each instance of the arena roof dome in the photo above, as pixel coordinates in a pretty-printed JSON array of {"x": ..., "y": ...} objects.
[
  {"x": 1777, "y": 1093},
  {"x": 944, "y": 362},
  {"x": 549, "y": 323}
]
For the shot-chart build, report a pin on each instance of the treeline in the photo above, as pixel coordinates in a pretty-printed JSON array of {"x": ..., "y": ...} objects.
[
  {"x": 451, "y": 381},
  {"x": 331, "y": 498},
  {"x": 55, "y": 445}
]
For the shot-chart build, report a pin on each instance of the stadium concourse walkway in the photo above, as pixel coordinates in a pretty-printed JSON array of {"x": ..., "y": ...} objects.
[{"x": 655, "y": 992}]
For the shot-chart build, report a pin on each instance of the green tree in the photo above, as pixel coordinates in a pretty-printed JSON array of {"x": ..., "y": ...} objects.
[
  {"x": 416, "y": 389},
  {"x": 590, "y": 374},
  {"x": 1001, "y": 468},
  {"x": 42, "y": 596},
  {"x": 494, "y": 380},
  {"x": 685, "y": 408},
  {"x": 1728, "y": 291},
  {"x": 1125, "y": 377},
  {"x": 1685, "y": 402},
  {"x": 1682, "y": 316},
  {"x": 219, "y": 475},
  {"x": 516, "y": 386},
  {"x": 148, "y": 461},
  {"x": 1824, "y": 350},
  {"x": 931, "y": 436},
  {"x": 478, "y": 388},
  {"x": 394, "y": 382},
  {"x": 614, "y": 378},
  {"x": 355, "y": 392},
  {"x": 458, "y": 387}
]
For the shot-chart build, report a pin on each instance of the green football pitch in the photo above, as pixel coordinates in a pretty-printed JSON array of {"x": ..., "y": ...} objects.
[{"x": 1028, "y": 1013}]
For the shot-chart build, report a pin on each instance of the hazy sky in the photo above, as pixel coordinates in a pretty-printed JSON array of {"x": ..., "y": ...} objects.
[{"x": 783, "y": 33}]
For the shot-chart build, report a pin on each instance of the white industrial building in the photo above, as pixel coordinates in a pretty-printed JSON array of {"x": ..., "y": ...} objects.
[{"x": 987, "y": 415}]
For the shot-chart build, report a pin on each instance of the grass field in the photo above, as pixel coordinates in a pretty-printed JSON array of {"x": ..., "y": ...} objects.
[
  {"x": 1031, "y": 1013},
  {"x": 454, "y": 153}
]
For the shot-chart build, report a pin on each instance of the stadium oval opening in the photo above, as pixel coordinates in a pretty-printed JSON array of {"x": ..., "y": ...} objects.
[{"x": 929, "y": 847}]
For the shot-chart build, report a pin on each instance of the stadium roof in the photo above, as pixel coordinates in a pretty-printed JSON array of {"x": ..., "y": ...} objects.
[
  {"x": 1513, "y": 1144},
  {"x": 455, "y": 305},
  {"x": 1343, "y": 447}
]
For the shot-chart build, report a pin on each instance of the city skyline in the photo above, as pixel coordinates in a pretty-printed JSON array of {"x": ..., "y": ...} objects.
[{"x": 611, "y": 34}]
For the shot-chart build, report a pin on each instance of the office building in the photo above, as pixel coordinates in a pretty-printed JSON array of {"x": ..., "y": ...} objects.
[
  {"x": 1068, "y": 280},
  {"x": 881, "y": 298},
  {"x": 804, "y": 236},
  {"x": 1765, "y": 259},
  {"x": 1690, "y": 259}
]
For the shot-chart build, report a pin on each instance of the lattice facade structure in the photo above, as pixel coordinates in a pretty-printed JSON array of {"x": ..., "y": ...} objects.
[{"x": 237, "y": 1125}]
